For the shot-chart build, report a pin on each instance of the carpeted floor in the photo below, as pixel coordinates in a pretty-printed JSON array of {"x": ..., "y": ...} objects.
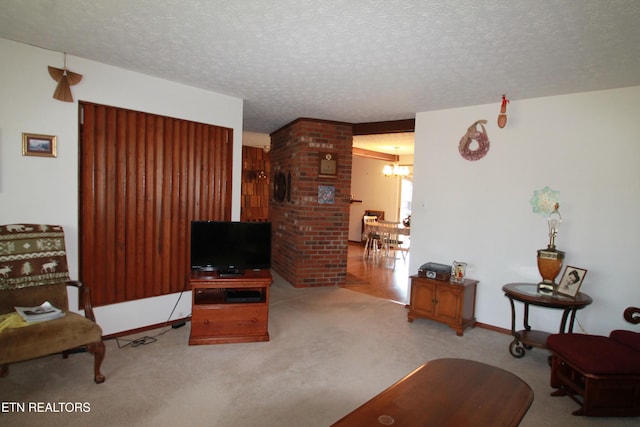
[{"x": 331, "y": 350}]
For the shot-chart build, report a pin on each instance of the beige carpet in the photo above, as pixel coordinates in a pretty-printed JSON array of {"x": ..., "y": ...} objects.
[{"x": 331, "y": 350}]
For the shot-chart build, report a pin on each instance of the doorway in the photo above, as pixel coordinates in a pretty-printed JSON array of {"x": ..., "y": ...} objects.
[
  {"x": 372, "y": 190},
  {"x": 406, "y": 193},
  {"x": 375, "y": 279}
]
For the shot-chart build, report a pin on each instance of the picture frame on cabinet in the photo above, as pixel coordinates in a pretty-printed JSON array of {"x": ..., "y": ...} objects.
[{"x": 458, "y": 272}]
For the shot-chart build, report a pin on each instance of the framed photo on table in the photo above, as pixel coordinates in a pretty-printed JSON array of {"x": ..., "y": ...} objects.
[{"x": 571, "y": 281}]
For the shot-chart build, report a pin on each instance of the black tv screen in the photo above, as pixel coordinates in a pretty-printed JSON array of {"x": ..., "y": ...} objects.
[{"x": 230, "y": 246}]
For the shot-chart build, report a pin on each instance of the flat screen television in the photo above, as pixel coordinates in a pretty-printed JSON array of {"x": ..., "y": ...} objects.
[{"x": 230, "y": 247}]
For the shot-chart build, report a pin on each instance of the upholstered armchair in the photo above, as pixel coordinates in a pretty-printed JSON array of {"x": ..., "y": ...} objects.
[
  {"x": 33, "y": 270},
  {"x": 602, "y": 374}
]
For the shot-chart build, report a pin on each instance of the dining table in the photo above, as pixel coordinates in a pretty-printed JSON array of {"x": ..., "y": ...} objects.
[{"x": 389, "y": 233}]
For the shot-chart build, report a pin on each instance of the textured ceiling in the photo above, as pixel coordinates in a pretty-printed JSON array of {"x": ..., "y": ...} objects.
[{"x": 349, "y": 60}]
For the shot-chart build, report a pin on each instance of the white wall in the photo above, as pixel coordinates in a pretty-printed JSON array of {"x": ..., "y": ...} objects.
[
  {"x": 376, "y": 191},
  {"x": 584, "y": 145},
  {"x": 44, "y": 190}
]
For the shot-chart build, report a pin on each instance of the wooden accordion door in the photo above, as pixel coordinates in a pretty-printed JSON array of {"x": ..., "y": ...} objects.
[{"x": 143, "y": 179}]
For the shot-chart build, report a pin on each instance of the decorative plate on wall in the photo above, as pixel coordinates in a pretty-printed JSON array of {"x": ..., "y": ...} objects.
[{"x": 279, "y": 187}]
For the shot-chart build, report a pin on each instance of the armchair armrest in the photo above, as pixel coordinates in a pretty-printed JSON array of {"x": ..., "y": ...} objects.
[
  {"x": 84, "y": 297},
  {"x": 632, "y": 315}
]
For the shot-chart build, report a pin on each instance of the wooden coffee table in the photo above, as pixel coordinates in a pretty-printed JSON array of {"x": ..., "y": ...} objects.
[{"x": 447, "y": 392}]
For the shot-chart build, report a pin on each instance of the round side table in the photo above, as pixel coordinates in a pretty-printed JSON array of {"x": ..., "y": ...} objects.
[{"x": 527, "y": 293}]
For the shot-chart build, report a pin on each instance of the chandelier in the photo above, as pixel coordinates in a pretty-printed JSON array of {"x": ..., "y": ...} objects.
[{"x": 395, "y": 169}]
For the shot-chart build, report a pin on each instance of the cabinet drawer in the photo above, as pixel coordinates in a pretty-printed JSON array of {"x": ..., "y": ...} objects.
[{"x": 248, "y": 319}]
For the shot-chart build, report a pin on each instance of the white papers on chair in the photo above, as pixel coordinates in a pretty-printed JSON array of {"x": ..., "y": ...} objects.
[{"x": 40, "y": 313}]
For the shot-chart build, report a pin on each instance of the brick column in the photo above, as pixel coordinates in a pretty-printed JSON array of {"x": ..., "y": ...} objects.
[{"x": 309, "y": 236}]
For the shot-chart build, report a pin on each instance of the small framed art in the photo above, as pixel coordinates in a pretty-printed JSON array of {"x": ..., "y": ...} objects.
[
  {"x": 326, "y": 194},
  {"x": 571, "y": 281},
  {"x": 38, "y": 145}
]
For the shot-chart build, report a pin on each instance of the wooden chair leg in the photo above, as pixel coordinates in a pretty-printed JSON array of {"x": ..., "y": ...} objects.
[{"x": 98, "y": 351}]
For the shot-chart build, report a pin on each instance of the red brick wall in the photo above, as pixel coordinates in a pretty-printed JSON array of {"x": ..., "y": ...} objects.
[{"x": 310, "y": 238}]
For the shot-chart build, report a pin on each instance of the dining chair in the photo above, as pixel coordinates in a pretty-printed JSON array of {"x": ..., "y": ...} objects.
[{"x": 372, "y": 244}]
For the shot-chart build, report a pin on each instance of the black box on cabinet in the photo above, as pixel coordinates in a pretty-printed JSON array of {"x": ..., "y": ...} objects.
[{"x": 433, "y": 270}]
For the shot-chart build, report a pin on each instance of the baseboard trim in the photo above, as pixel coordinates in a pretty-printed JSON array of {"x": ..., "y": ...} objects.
[
  {"x": 493, "y": 328},
  {"x": 145, "y": 328}
]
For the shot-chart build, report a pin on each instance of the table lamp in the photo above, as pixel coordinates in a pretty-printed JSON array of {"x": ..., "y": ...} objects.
[
  {"x": 550, "y": 259},
  {"x": 546, "y": 203}
]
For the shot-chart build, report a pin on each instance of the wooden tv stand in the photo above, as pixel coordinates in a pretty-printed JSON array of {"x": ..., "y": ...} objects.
[{"x": 229, "y": 309}]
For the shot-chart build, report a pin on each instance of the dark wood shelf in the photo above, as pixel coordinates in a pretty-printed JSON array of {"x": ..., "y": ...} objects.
[
  {"x": 534, "y": 338},
  {"x": 208, "y": 296}
]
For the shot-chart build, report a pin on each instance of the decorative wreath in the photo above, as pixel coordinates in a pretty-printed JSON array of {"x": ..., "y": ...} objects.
[{"x": 473, "y": 134}]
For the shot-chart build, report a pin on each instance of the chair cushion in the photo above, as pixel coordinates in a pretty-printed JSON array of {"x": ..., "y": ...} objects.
[
  {"x": 50, "y": 337},
  {"x": 595, "y": 354},
  {"x": 33, "y": 296},
  {"x": 628, "y": 338}
]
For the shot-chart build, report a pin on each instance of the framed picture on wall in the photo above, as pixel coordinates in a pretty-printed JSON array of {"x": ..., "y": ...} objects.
[
  {"x": 326, "y": 194},
  {"x": 571, "y": 281},
  {"x": 328, "y": 167},
  {"x": 38, "y": 145}
]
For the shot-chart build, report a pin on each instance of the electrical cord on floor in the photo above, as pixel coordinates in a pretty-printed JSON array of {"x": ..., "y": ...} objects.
[
  {"x": 149, "y": 339},
  {"x": 137, "y": 342}
]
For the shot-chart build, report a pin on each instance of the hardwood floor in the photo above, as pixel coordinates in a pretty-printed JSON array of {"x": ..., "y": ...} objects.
[{"x": 381, "y": 278}]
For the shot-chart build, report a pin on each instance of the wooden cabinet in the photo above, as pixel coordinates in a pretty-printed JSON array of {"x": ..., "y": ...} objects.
[
  {"x": 229, "y": 309},
  {"x": 453, "y": 304}
]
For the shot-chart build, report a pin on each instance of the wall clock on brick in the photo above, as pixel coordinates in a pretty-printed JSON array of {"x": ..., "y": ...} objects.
[{"x": 279, "y": 187}]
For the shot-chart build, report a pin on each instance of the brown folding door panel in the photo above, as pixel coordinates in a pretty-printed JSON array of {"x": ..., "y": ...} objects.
[
  {"x": 143, "y": 179},
  {"x": 254, "y": 201}
]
